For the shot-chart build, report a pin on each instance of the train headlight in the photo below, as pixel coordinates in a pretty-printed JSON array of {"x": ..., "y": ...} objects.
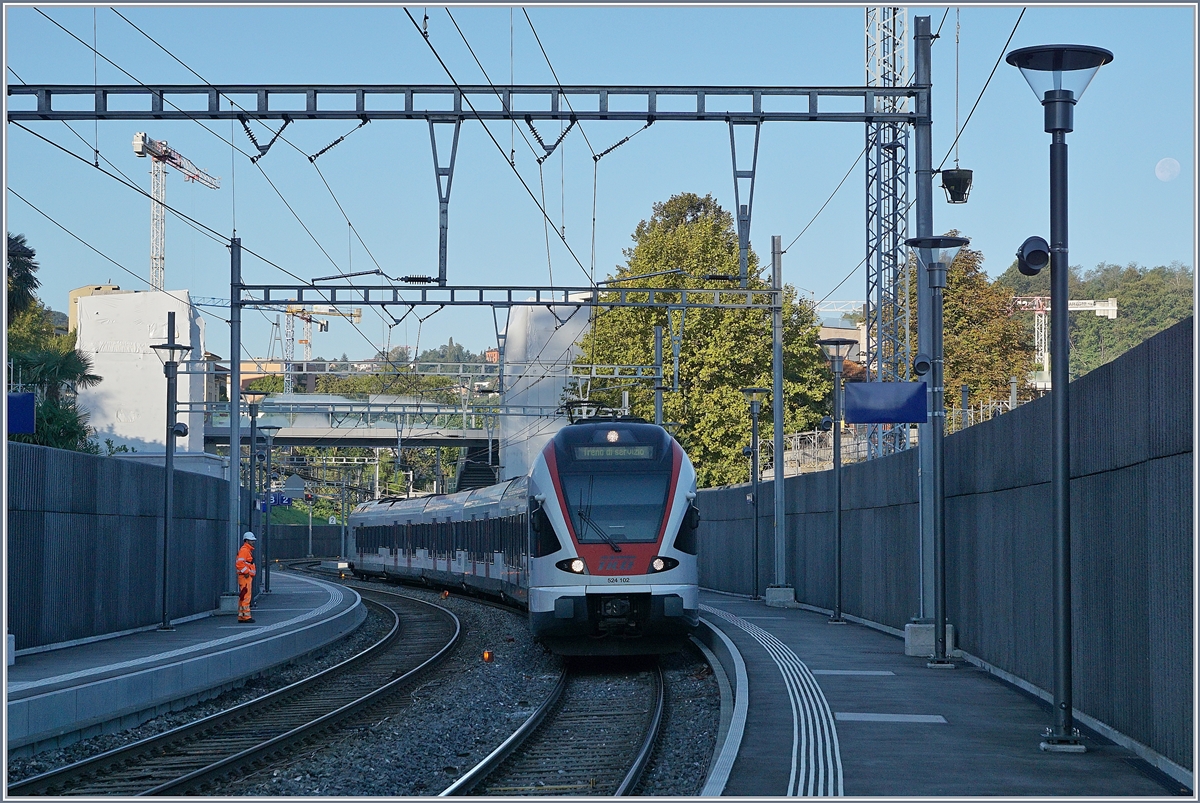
[
  {"x": 661, "y": 564},
  {"x": 572, "y": 565}
]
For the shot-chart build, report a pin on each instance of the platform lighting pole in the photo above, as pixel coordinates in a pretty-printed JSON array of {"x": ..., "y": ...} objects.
[
  {"x": 252, "y": 397},
  {"x": 171, "y": 371},
  {"x": 923, "y": 175},
  {"x": 777, "y": 408},
  {"x": 936, "y": 254},
  {"x": 235, "y": 413},
  {"x": 836, "y": 349},
  {"x": 1058, "y": 76},
  {"x": 270, "y": 430},
  {"x": 754, "y": 398}
]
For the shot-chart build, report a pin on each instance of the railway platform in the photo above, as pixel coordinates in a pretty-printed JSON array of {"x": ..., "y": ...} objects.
[
  {"x": 60, "y": 696},
  {"x": 841, "y": 710}
]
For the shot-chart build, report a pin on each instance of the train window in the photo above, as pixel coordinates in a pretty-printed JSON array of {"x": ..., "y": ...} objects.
[
  {"x": 616, "y": 508},
  {"x": 542, "y": 538}
]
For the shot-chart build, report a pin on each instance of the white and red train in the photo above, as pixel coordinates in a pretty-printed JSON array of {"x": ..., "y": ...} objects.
[{"x": 597, "y": 543}]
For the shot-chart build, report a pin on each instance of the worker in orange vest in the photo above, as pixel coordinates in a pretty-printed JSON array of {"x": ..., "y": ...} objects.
[{"x": 245, "y": 574}]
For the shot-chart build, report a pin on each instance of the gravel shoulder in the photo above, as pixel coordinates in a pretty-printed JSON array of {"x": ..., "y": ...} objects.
[{"x": 442, "y": 727}]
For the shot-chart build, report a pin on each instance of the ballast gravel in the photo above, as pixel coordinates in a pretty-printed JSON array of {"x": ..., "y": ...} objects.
[{"x": 442, "y": 727}]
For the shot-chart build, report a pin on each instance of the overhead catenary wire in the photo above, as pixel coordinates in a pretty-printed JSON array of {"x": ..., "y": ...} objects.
[
  {"x": 499, "y": 147},
  {"x": 277, "y": 135},
  {"x": 999, "y": 58}
]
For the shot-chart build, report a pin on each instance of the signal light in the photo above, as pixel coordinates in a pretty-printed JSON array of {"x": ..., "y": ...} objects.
[
  {"x": 488, "y": 656},
  {"x": 445, "y": 595}
]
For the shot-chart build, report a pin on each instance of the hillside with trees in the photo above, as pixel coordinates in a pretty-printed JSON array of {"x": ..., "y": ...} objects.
[{"x": 1148, "y": 301}]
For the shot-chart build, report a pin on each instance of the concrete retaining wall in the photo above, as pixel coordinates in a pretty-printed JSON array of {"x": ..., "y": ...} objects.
[{"x": 1131, "y": 525}]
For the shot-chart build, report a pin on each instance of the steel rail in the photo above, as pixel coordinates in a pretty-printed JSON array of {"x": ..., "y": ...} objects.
[
  {"x": 557, "y": 709},
  {"x": 643, "y": 757},
  {"x": 493, "y": 760},
  {"x": 65, "y": 779}
]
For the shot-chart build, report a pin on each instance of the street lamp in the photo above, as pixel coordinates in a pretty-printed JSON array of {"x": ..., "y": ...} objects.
[
  {"x": 936, "y": 254},
  {"x": 836, "y": 350},
  {"x": 270, "y": 430},
  {"x": 1058, "y": 76},
  {"x": 174, "y": 430},
  {"x": 754, "y": 397},
  {"x": 252, "y": 397}
]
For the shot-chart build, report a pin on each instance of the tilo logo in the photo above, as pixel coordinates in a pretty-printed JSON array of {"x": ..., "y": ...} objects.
[{"x": 616, "y": 564}]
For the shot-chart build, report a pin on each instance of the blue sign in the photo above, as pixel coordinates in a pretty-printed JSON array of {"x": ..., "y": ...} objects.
[
  {"x": 277, "y": 500},
  {"x": 886, "y": 403},
  {"x": 21, "y": 414}
]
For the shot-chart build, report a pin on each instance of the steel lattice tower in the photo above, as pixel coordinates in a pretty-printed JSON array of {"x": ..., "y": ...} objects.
[
  {"x": 158, "y": 223},
  {"x": 887, "y": 307}
]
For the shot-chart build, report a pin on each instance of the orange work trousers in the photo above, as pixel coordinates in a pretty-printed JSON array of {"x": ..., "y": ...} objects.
[{"x": 244, "y": 584}]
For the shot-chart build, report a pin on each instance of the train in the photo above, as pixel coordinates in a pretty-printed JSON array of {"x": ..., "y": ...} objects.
[{"x": 597, "y": 543}]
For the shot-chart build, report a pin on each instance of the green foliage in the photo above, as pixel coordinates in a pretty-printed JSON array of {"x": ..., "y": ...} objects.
[
  {"x": 722, "y": 350},
  {"x": 449, "y": 352},
  {"x": 45, "y": 361},
  {"x": 984, "y": 343},
  {"x": 60, "y": 425},
  {"x": 1149, "y": 300},
  {"x": 30, "y": 328},
  {"x": 22, "y": 283}
]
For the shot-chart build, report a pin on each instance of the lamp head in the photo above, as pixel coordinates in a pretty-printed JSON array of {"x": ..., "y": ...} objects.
[
  {"x": 1057, "y": 68},
  {"x": 933, "y": 252},
  {"x": 253, "y": 396},
  {"x": 755, "y": 394},
  {"x": 269, "y": 430},
  {"x": 837, "y": 348}
]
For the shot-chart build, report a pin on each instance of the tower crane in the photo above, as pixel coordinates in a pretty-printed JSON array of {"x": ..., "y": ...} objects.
[
  {"x": 306, "y": 314},
  {"x": 1040, "y": 306},
  {"x": 162, "y": 155}
]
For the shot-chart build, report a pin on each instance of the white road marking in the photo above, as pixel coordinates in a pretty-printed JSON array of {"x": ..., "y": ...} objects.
[
  {"x": 816, "y": 758},
  {"x": 846, "y": 716},
  {"x": 855, "y": 672}
]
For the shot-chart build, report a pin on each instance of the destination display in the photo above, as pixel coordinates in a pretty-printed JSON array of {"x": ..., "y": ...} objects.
[{"x": 641, "y": 452}]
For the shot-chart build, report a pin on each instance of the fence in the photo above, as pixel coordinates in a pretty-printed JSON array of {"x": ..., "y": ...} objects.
[
  {"x": 85, "y": 545},
  {"x": 1131, "y": 529},
  {"x": 290, "y": 541}
]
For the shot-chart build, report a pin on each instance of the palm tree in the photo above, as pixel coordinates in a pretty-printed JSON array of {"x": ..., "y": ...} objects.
[
  {"x": 22, "y": 265},
  {"x": 55, "y": 368}
]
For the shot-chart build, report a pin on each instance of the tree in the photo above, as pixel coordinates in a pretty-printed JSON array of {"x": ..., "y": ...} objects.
[
  {"x": 22, "y": 283},
  {"x": 721, "y": 351},
  {"x": 984, "y": 344},
  {"x": 44, "y": 361}
]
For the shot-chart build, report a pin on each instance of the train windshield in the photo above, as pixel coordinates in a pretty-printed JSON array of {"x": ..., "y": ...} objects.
[
  {"x": 615, "y": 480},
  {"x": 616, "y": 508}
]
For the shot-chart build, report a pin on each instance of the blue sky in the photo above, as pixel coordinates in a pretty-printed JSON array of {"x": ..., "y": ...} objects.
[{"x": 1138, "y": 111}]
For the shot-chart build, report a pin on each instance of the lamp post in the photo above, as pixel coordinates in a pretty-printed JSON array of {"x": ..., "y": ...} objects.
[
  {"x": 1058, "y": 76},
  {"x": 836, "y": 349},
  {"x": 754, "y": 396},
  {"x": 936, "y": 254},
  {"x": 174, "y": 430},
  {"x": 270, "y": 431},
  {"x": 252, "y": 398}
]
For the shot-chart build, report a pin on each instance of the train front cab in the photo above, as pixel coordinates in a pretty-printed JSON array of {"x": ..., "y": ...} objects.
[{"x": 612, "y": 541}]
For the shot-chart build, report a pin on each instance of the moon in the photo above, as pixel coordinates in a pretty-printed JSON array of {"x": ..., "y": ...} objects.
[{"x": 1166, "y": 169}]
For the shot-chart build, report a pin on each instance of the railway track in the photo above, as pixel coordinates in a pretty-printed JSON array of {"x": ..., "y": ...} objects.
[
  {"x": 199, "y": 756},
  {"x": 592, "y": 736}
]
